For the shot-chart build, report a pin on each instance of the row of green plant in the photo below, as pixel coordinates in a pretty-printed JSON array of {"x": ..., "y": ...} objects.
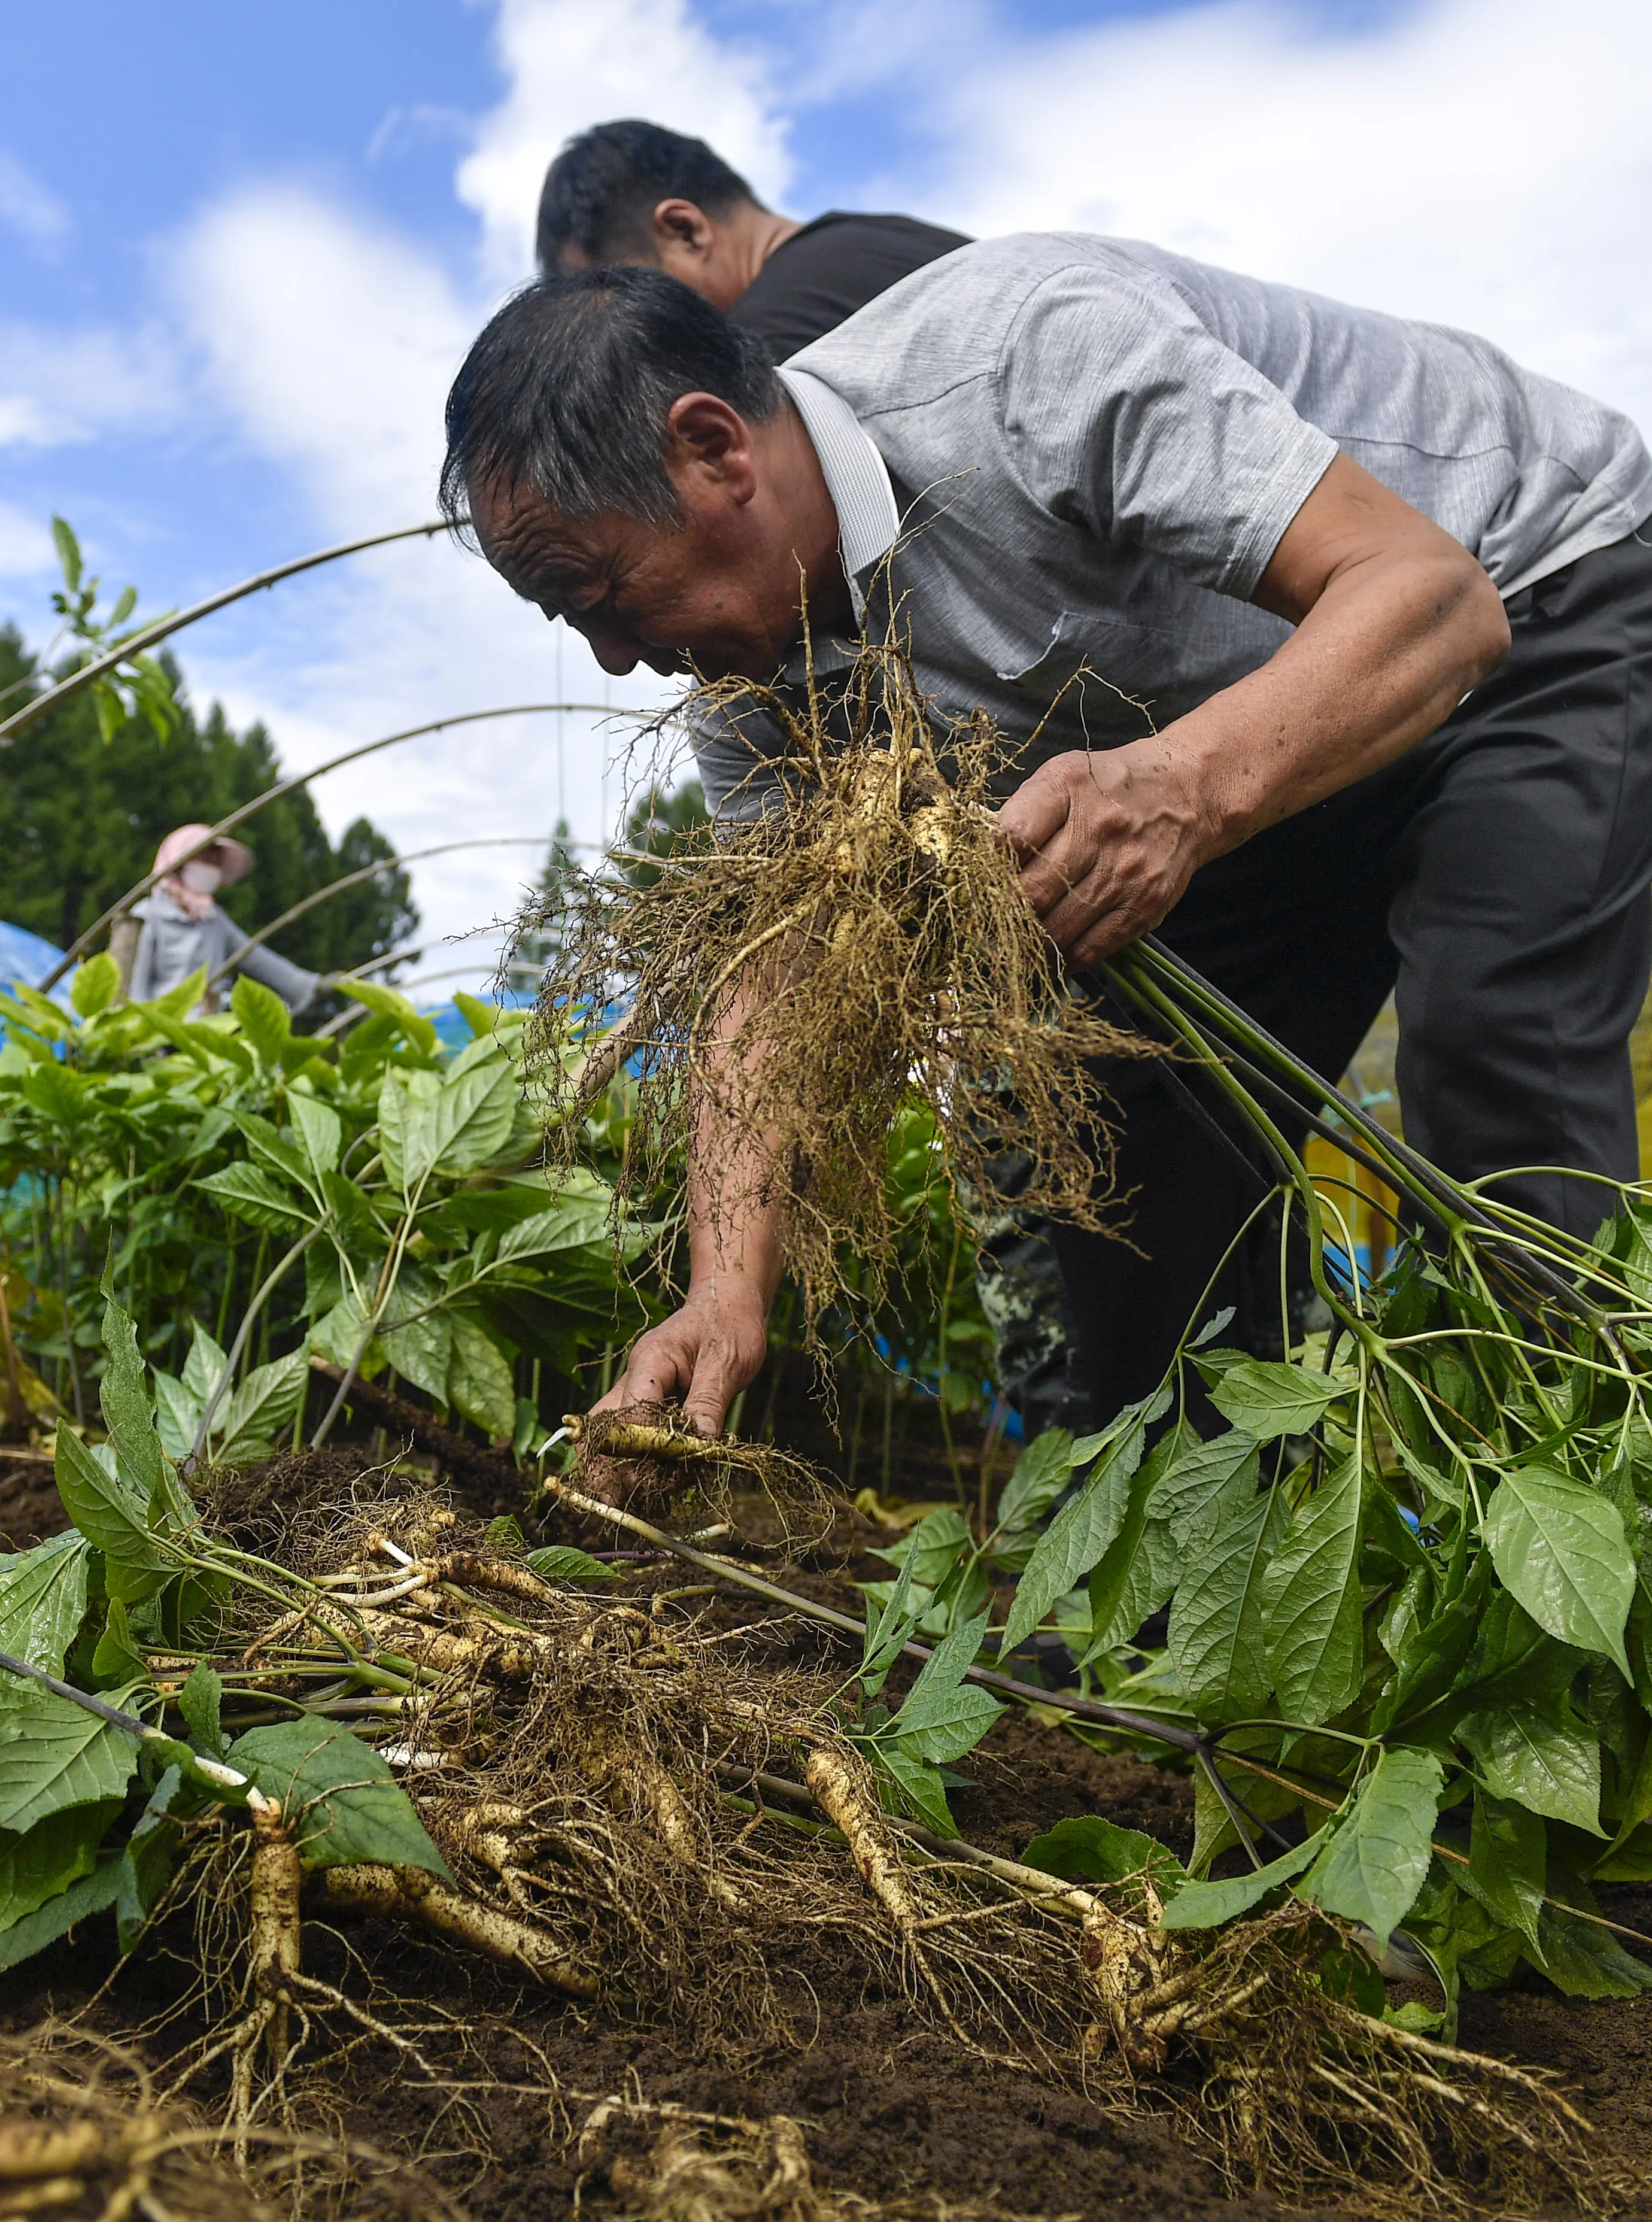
[
  {"x": 261, "y": 1197},
  {"x": 1409, "y": 1584}
]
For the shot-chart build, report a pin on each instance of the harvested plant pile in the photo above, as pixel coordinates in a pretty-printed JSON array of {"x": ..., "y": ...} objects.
[
  {"x": 381, "y": 1713},
  {"x": 795, "y": 979}
]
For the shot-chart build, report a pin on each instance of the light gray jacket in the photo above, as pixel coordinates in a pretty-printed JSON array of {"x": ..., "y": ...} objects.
[{"x": 174, "y": 944}]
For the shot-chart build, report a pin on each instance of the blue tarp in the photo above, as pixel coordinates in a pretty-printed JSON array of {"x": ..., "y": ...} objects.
[{"x": 27, "y": 958}]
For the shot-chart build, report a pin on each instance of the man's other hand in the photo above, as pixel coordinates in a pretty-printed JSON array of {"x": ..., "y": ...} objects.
[
  {"x": 705, "y": 1353},
  {"x": 1107, "y": 841}
]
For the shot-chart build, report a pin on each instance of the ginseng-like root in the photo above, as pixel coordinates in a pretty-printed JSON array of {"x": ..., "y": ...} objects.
[
  {"x": 413, "y": 1895},
  {"x": 845, "y": 1796}
]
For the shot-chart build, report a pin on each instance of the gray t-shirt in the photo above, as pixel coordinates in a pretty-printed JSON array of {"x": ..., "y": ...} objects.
[{"x": 1084, "y": 452}]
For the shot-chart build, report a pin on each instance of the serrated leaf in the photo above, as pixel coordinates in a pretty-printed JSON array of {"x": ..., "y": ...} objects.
[
  {"x": 204, "y": 1366},
  {"x": 249, "y": 1192},
  {"x": 887, "y": 1636},
  {"x": 1204, "y": 1483},
  {"x": 935, "y": 1543},
  {"x": 108, "y": 1514},
  {"x": 942, "y": 1716},
  {"x": 265, "y": 1142},
  {"x": 1507, "y": 1862},
  {"x": 127, "y": 1411},
  {"x": 560, "y": 1562},
  {"x": 1558, "y": 1548},
  {"x": 54, "y": 1753},
  {"x": 1078, "y": 1537},
  {"x": 95, "y": 985},
  {"x": 572, "y": 1224},
  {"x": 43, "y": 1600},
  {"x": 42, "y": 1862},
  {"x": 1042, "y": 1471},
  {"x": 319, "y": 1129},
  {"x": 199, "y": 1701},
  {"x": 475, "y": 1110},
  {"x": 1267, "y": 1398},
  {"x": 1376, "y": 1854},
  {"x": 1216, "y": 1630},
  {"x": 263, "y": 1018},
  {"x": 1587, "y": 1962},
  {"x": 917, "y": 1783},
  {"x": 1087, "y": 1848},
  {"x": 1207, "y": 1904},
  {"x": 1120, "y": 1576},
  {"x": 390, "y": 1004},
  {"x": 178, "y": 1414},
  {"x": 1311, "y": 1602},
  {"x": 339, "y": 1798},
  {"x": 264, "y": 1405},
  {"x": 481, "y": 1384},
  {"x": 1541, "y": 1763},
  {"x": 148, "y": 1862}
]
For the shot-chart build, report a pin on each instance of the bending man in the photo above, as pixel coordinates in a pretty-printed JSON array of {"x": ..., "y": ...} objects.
[{"x": 1300, "y": 533}]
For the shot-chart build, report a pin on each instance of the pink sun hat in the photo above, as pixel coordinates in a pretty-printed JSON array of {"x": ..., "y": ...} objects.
[{"x": 233, "y": 859}]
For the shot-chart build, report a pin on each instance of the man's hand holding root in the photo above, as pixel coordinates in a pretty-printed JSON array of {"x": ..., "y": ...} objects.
[{"x": 704, "y": 1354}]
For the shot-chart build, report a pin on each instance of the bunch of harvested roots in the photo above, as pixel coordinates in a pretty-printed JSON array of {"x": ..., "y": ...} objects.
[
  {"x": 83, "y": 2134},
  {"x": 794, "y": 980},
  {"x": 640, "y": 1810}
]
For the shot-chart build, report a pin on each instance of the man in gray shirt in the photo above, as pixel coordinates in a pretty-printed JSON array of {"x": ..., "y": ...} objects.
[{"x": 1289, "y": 538}]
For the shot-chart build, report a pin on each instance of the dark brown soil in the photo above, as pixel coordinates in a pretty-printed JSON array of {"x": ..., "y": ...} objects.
[{"x": 888, "y": 2108}]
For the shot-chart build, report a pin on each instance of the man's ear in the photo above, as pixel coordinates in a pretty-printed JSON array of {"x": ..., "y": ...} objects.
[
  {"x": 679, "y": 224},
  {"x": 708, "y": 440}
]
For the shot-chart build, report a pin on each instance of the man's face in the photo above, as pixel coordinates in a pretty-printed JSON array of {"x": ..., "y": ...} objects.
[{"x": 714, "y": 590}]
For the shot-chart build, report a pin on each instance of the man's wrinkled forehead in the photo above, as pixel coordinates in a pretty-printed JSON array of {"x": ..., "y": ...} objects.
[{"x": 539, "y": 553}]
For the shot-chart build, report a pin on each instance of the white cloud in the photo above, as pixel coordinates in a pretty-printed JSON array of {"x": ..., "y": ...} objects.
[
  {"x": 570, "y": 65},
  {"x": 62, "y": 388},
  {"x": 1480, "y": 162},
  {"x": 30, "y": 207},
  {"x": 327, "y": 343}
]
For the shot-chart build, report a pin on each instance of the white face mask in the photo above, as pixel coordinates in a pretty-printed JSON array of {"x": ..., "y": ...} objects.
[{"x": 201, "y": 878}]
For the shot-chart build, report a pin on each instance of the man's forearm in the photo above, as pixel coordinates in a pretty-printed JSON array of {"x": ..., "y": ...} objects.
[{"x": 1382, "y": 658}]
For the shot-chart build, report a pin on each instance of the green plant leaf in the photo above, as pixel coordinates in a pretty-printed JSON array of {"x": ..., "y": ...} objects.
[
  {"x": 1314, "y": 1629},
  {"x": 1042, "y": 1471},
  {"x": 1204, "y": 1484},
  {"x": 936, "y": 1543},
  {"x": 340, "y": 1800},
  {"x": 1558, "y": 1548},
  {"x": 1267, "y": 1399},
  {"x": 569, "y": 1225},
  {"x": 1087, "y": 1848},
  {"x": 264, "y": 1407},
  {"x": 203, "y": 1367},
  {"x": 178, "y": 1414},
  {"x": 1208, "y": 1904},
  {"x": 54, "y": 1753},
  {"x": 391, "y": 1004},
  {"x": 148, "y": 1862},
  {"x": 1548, "y": 1765},
  {"x": 1078, "y": 1537},
  {"x": 199, "y": 1701},
  {"x": 475, "y": 1109},
  {"x": 481, "y": 1384},
  {"x": 418, "y": 1342},
  {"x": 942, "y": 1716},
  {"x": 115, "y": 1658},
  {"x": 1376, "y": 1854},
  {"x": 319, "y": 1129},
  {"x": 1216, "y": 1630},
  {"x": 128, "y": 1413},
  {"x": 249, "y": 1192},
  {"x": 263, "y": 1018},
  {"x": 43, "y": 1861},
  {"x": 108, "y": 1514},
  {"x": 562, "y": 1562},
  {"x": 1508, "y": 1861},
  {"x": 43, "y": 1600},
  {"x": 1587, "y": 1962},
  {"x": 918, "y": 1782},
  {"x": 887, "y": 1636},
  {"x": 95, "y": 985},
  {"x": 68, "y": 553},
  {"x": 1120, "y": 1574}
]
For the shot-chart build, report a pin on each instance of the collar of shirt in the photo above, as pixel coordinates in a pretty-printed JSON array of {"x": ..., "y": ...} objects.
[{"x": 857, "y": 478}]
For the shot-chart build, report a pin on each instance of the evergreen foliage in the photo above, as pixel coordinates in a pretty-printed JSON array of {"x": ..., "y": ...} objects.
[{"x": 81, "y": 818}]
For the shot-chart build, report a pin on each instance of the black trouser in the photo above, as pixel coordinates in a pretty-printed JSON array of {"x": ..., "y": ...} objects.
[{"x": 1495, "y": 877}]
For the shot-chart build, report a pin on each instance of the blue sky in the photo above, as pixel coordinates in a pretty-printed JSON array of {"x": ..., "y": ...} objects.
[{"x": 242, "y": 250}]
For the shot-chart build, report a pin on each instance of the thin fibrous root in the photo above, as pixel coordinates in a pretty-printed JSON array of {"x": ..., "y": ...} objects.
[{"x": 413, "y": 1895}]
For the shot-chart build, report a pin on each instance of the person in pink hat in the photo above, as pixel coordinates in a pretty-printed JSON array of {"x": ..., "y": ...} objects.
[{"x": 183, "y": 928}]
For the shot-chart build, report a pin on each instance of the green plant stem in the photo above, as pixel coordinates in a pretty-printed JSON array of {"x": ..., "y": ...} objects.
[{"x": 267, "y": 1287}]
